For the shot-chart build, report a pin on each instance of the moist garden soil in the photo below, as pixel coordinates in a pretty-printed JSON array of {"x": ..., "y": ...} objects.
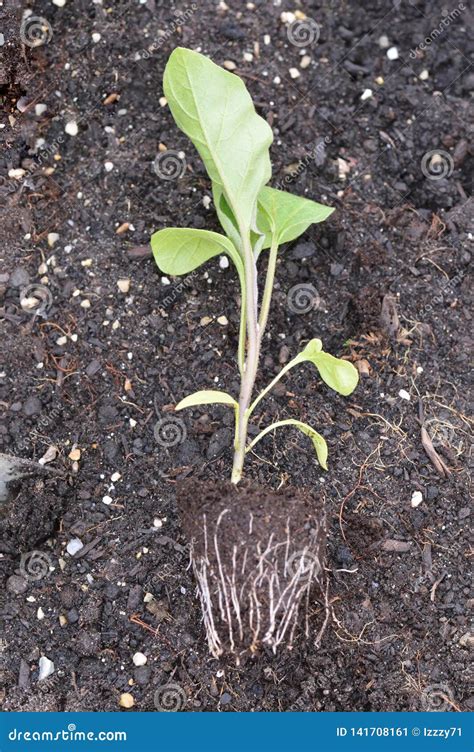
[{"x": 101, "y": 369}]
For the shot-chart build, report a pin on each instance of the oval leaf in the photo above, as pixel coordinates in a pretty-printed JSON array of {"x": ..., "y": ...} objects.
[
  {"x": 337, "y": 373},
  {"x": 180, "y": 250},
  {"x": 214, "y": 109},
  {"x": 287, "y": 216},
  {"x": 206, "y": 397},
  {"x": 319, "y": 442}
]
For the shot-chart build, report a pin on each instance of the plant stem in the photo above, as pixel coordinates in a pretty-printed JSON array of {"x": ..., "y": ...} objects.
[
  {"x": 267, "y": 293},
  {"x": 251, "y": 363}
]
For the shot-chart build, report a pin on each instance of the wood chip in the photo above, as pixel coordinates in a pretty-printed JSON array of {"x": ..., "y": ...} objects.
[
  {"x": 396, "y": 546},
  {"x": 123, "y": 228}
]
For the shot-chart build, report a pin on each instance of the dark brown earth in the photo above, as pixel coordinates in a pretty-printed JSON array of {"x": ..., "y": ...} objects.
[
  {"x": 392, "y": 271},
  {"x": 258, "y": 556}
]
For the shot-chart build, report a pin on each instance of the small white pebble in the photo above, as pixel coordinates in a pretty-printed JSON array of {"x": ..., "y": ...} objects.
[
  {"x": 392, "y": 53},
  {"x": 71, "y": 128},
  {"x": 108, "y": 166},
  {"x": 107, "y": 500},
  {"x": 267, "y": 39},
  {"x": 16, "y": 173},
  {"x": 115, "y": 477},
  {"x": 52, "y": 238},
  {"x": 277, "y": 80},
  {"x": 222, "y": 320},
  {"x": 305, "y": 61},
  {"x": 61, "y": 341},
  {"x": 424, "y": 75},
  {"x": 74, "y": 337},
  {"x": 165, "y": 281},
  {"x": 46, "y": 668},
  {"x": 229, "y": 65},
  {"x": 123, "y": 285},
  {"x": 157, "y": 522},
  {"x": 223, "y": 262},
  {"x": 74, "y": 545},
  {"x": 132, "y": 422},
  {"x": 40, "y": 614},
  {"x": 96, "y": 37},
  {"x": 416, "y": 498},
  {"x": 419, "y": 369},
  {"x": 294, "y": 73},
  {"x": 366, "y": 94},
  {"x": 383, "y": 41},
  {"x": 206, "y": 201},
  {"x": 404, "y": 394},
  {"x": 86, "y": 262},
  {"x": 40, "y": 109},
  {"x": 85, "y": 303},
  {"x": 59, "y": 3},
  {"x": 248, "y": 57},
  {"x": 162, "y": 102},
  {"x": 139, "y": 659}
]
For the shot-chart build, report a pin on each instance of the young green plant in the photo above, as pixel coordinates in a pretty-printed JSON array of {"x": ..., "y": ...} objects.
[{"x": 214, "y": 109}]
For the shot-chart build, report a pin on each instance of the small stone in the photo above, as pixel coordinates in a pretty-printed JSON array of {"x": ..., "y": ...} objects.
[
  {"x": 225, "y": 698},
  {"x": 50, "y": 455},
  {"x": 224, "y": 262},
  {"x": 139, "y": 659},
  {"x": 17, "y": 584},
  {"x": 206, "y": 201},
  {"x": 205, "y": 320},
  {"x": 380, "y": 80},
  {"x": 96, "y": 37},
  {"x": 108, "y": 166},
  {"x": 222, "y": 320},
  {"x": 40, "y": 614},
  {"x": 107, "y": 500},
  {"x": 384, "y": 41},
  {"x": 294, "y": 73},
  {"x": 467, "y": 640},
  {"x": 74, "y": 545},
  {"x": 59, "y": 3},
  {"x": 52, "y": 238},
  {"x": 392, "y": 53},
  {"x": 305, "y": 61},
  {"x": 16, "y": 173},
  {"x": 115, "y": 477},
  {"x": 85, "y": 303},
  {"x": 123, "y": 285},
  {"x": 404, "y": 394},
  {"x": 229, "y": 65},
  {"x": 366, "y": 94},
  {"x": 75, "y": 455},
  {"x": 62, "y": 620},
  {"x": 126, "y": 700},
  {"x": 46, "y": 668},
  {"x": 267, "y": 39},
  {"x": 416, "y": 499},
  {"x": 163, "y": 101},
  {"x": 71, "y": 128},
  {"x": 248, "y": 57},
  {"x": 424, "y": 75}
]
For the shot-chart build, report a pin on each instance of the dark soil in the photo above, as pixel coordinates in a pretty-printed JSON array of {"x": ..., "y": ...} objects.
[
  {"x": 99, "y": 369},
  {"x": 258, "y": 556}
]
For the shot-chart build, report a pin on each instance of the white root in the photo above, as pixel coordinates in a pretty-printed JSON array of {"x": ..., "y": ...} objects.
[{"x": 255, "y": 596}]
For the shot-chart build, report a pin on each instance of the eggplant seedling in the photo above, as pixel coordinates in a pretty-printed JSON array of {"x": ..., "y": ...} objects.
[
  {"x": 255, "y": 553},
  {"x": 214, "y": 109}
]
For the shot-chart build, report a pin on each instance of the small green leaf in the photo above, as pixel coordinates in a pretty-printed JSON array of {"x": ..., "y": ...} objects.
[
  {"x": 319, "y": 443},
  {"x": 287, "y": 216},
  {"x": 206, "y": 397},
  {"x": 215, "y": 110},
  {"x": 337, "y": 373},
  {"x": 180, "y": 250}
]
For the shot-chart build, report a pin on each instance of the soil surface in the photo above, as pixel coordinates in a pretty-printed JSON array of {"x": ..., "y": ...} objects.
[{"x": 94, "y": 566}]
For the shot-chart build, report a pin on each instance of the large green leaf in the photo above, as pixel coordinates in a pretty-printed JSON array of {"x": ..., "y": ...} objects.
[
  {"x": 207, "y": 397},
  {"x": 180, "y": 250},
  {"x": 337, "y": 373},
  {"x": 213, "y": 108},
  {"x": 287, "y": 216},
  {"x": 319, "y": 443}
]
